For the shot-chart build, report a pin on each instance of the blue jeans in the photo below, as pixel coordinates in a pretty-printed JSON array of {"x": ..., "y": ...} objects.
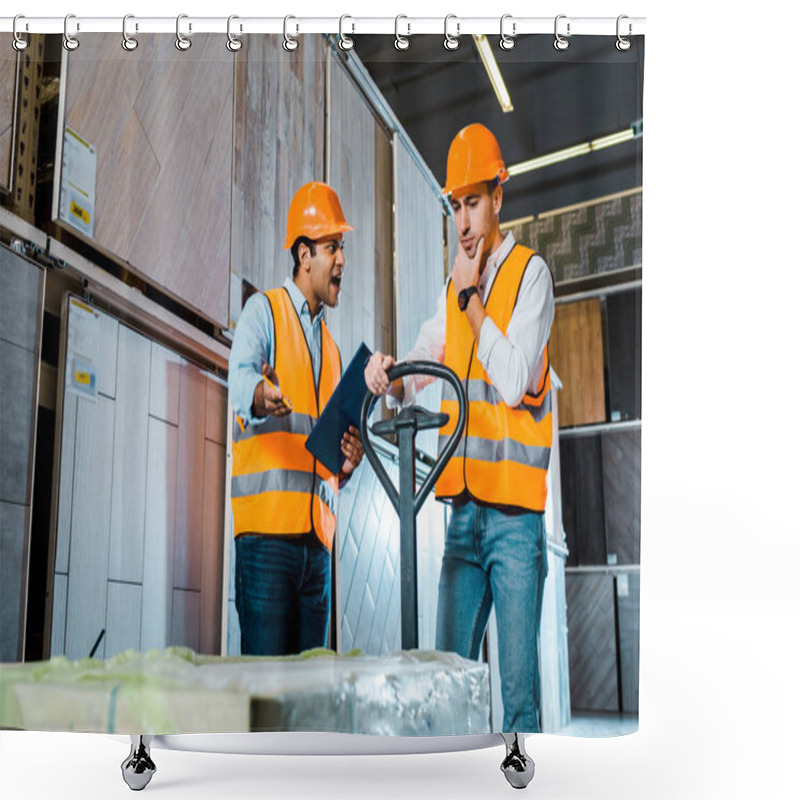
[
  {"x": 491, "y": 556},
  {"x": 283, "y": 594}
]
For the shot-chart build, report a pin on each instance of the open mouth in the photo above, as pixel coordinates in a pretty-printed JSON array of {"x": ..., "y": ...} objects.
[{"x": 337, "y": 281}]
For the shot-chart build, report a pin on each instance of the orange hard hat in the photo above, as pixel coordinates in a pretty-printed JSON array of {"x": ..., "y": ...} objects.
[
  {"x": 474, "y": 157},
  {"x": 314, "y": 212}
]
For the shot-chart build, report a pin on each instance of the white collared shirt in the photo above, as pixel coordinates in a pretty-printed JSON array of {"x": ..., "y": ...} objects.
[{"x": 514, "y": 362}]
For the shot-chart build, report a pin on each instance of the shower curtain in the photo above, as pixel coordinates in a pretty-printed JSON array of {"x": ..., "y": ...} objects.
[{"x": 145, "y": 197}]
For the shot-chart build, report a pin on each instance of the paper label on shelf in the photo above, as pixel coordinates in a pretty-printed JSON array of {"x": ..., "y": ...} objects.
[
  {"x": 622, "y": 585},
  {"x": 78, "y": 182},
  {"x": 82, "y": 343}
]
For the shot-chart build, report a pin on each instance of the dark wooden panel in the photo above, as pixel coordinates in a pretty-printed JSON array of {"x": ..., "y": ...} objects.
[
  {"x": 582, "y": 499},
  {"x": 628, "y": 620},
  {"x": 592, "y": 643},
  {"x": 622, "y": 493},
  {"x": 624, "y": 326},
  {"x": 576, "y": 352}
]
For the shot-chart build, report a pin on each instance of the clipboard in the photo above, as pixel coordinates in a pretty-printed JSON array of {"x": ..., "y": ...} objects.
[{"x": 343, "y": 409}]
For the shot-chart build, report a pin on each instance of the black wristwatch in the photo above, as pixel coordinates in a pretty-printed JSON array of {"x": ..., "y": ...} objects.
[{"x": 464, "y": 296}]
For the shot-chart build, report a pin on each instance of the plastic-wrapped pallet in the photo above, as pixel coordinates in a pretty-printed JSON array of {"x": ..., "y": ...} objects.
[{"x": 417, "y": 693}]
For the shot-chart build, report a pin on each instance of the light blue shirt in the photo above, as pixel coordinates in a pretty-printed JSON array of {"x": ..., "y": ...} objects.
[{"x": 254, "y": 345}]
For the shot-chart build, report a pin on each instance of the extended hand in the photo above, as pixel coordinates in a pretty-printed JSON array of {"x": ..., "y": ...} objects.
[
  {"x": 353, "y": 449},
  {"x": 466, "y": 270},
  {"x": 274, "y": 403},
  {"x": 375, "y": 373}
]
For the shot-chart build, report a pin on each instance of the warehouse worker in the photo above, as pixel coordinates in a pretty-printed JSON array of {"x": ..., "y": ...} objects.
[
  {"x": 284, "y": 366},
  {"x": 491, "y": 326}
]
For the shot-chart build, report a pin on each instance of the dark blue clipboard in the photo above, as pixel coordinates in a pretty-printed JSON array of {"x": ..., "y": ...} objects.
[{"x": 343, "y": 409}]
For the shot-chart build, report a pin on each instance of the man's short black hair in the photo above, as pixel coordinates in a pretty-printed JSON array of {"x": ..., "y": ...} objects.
[{"x": 296, "y": 248}]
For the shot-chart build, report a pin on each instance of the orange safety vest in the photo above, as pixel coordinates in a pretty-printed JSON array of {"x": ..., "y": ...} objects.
[
  {"x": 504, "y": 453},
  {"x": 278, "y": 487}
]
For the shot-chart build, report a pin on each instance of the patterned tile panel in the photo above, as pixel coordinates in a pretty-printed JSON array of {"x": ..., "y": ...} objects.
[{"x": 588, "y": 241}]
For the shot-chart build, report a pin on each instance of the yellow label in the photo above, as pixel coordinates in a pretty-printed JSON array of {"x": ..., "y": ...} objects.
[
  {"x": 81, "y": 213},
  {"x": 83, "y": 377}
]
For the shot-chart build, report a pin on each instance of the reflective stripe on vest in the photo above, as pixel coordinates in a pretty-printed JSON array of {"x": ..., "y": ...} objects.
[
  {"x": 277, "y": 486},
  {"x": 504, "y": 453}
]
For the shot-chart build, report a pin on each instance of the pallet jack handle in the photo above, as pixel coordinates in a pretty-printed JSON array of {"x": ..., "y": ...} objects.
[{"x": 406, "y": 501}]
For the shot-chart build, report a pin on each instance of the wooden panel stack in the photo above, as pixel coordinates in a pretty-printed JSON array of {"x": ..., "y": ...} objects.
[
  {"x": 162, "y": 123},
  {"x": 279, "y": 144},
  {"x": 360, "y": 173},
  {"x": 140, "y": 504},
  {"x": 576, "y": 352}
]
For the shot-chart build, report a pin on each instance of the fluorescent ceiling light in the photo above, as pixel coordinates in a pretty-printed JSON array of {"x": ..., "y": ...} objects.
[
  {"x": 498, "y": 84},
  {"x": 571, "y": 152},
  {"x": 550, "y": 158},
  {"x": 614, "y": 138}
]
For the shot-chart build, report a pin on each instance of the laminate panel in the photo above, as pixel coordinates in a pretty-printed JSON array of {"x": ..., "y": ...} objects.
[
  {"x": 162, "y": 123},
  {"x": 186, "y": 619},
  {"x": 278, "y": 146},
  {"x": 66, "y": 471},
  {"x": 352, "y": 175},
  {"x": 624, "y": 325},
  {"x": 159, "y": 541},
  {"x": 8, "y": 91},
  {"x": 19, "y": 368},
  {"x": 123, "y": 618},
  {"x": 628, "y": 594},
  {"x": 59, "y": 616},
  {"x": 216, "y": 410},
  {"x": 592, "y": 643},
  {"x": 13, "y": 573},
  {"x": 369, "y": 577},
  {"x": 583, "y": 505},
  {"x": 107, "y": 356},
  {"x": 129, "y": 471},
  {"x": 576, "y": 353},
  {"x": 213, "y": 538},
  {"x": 165, "y": 383},
  {"x": 622, "y": 493},
  {"x": 190, "y": 479},
  {"x": 234, "y": 631},
  {"x": 420, "y": 249},
  {"x": 554, "y": 649},
  {"x": 19, "y": 301},
  {"x": 91, "y": 514}
]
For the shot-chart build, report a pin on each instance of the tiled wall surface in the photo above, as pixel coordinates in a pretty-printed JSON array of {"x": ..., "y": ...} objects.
[{"x": 589, "y": 240}]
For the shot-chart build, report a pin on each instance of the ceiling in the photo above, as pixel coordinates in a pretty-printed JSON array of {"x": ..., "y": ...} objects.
[{"x": 560, "y": 98}]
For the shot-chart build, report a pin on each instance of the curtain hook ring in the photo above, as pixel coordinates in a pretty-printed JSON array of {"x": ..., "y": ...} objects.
[
  {"x": 181, "y": 41},
  {"x": 70, "y": 42},
  {"x": 233, "y": 44},
  {"x": 507, "y": 42},
  {"x": 128, "y": 42},
  {"x": 451, "y": 42},
  {"x": 560, "y": 42},
  {"x": 622, "y": 43},
  {"x": 20, "y": 42},
  {"x": 345, "y": 42},
  {"x": 289, "y": 42},
  {"x": 401, "y": 42}
]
